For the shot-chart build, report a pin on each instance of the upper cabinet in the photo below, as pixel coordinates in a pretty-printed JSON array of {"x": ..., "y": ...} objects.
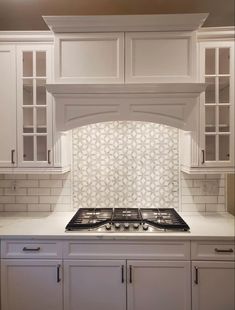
[
  {"x": 34, "y": 106},
  {"x": 7, "y": 106},
  {"x": 211, "y": 144},
  {"x": 217, "y": 103},
  {"x": 89, "y": 58},
  {"x": 156, "y": 57},
  {"x": 125, "y": 49},
  {"x": 30, "y": 142}
]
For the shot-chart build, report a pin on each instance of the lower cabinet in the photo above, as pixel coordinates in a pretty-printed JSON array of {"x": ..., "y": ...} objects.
[
  {"x": 94, "y": 284},
  {"x": 213, "y": 285},
  {"x": 111, "y": 284},
  {"x": 160, "y": 285},
  {"x": 31, "y": 284}
]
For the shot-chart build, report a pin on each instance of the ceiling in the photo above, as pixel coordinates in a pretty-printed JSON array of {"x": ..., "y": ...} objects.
[{"x": 26, "y": 14}]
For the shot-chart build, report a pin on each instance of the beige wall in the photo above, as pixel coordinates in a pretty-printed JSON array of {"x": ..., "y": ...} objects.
[
  {"x": 26, "y": 14},
  {"x": 230, "y": 193}
]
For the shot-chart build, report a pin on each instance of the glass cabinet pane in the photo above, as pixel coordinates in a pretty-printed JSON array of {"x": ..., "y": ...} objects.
[
  {"x": 210, "y": 119},
  {"x": 210, "y": 147},
  {"x": 40, "y": 63},
  {"x": 28, "y": 148},
  {"x": 210, "y": 61},
  {"x": 28, "y": 64},
  {"x": 41, "y": 148},
  {"x": 41, "y": 120},
  {"x": 41, "y": 92},
  {"x": 224, "y": 119},
  {"x": 27, "y": 120},
  {"x": 28, "y": 92},
  {"x": 210, "y": 90},
  {"x": 224, "y": 147},
  {"x": 224, "y": 60},
  {"x": 224, "y": 90}
]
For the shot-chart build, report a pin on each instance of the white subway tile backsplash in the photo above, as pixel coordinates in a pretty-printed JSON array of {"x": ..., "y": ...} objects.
[
  {"x": 55, "y": 199},
  {"x": 26, "y": 199},
  {"x": 39, "y": 207},
  {"x": 7, "y": 199},
  {"x": 15, "y": 207},
  {"x": 38, "y": 177},
  {"x": 16, "y": 191},
  {"x": 39, "y": 191},
  {"x": 50, "y": 183},
  {"x": 215, "y": 207},
  {"x": 27, "y": 183},
  {"x": 197, "y": 207},
  {"x": 16, "y": 176}
]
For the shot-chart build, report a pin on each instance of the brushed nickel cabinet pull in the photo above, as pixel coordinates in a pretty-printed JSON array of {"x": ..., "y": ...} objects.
[
  {"x": 223, "y": 250},
  {"x": 203, "y": 156},
  {"x": 25, "y": 249},
  {"x": 12, "y": 156},
  {"x": 58, "y": 274},
  {"x": 49, "y": 157},
  {"x": 196, "y": 275}
]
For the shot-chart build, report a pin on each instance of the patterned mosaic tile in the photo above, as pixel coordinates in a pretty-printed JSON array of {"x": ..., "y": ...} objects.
[{"x": 125, "y": 164}]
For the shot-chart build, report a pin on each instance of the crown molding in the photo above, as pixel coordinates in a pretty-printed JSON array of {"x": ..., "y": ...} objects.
[
  {"x": 26, "y": 36},
  {"x": 216, "y": 33},
  {"x": 111, "y": 23}
]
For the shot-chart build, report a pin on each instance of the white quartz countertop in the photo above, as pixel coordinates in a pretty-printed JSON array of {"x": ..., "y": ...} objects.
[{"x": 213, "y": 226}]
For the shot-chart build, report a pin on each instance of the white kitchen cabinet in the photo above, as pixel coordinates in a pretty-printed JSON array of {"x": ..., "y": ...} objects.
[
  {"x": 89, "y": 58},
  {"x": 34, "y": 106},
  {"x": 94, "y": 284},
  {"x": 217, "y": 104},
  {"x": 31, "y": 284},
  {"x": 30, "y": 141},
  {"x": 210, "y": 147},
  {"x": 167, "y": 57},
  {"x": 163, "y": 285},
  {"x": 7, "y": 106},
  {"x": 213, "y": 285}
]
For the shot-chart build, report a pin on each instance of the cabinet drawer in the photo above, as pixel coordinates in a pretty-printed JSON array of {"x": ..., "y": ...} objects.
[
  {"x": 127, "y": 249},
  {"x": 31, "y": 249},
  {"x": 209, "y": 250}
]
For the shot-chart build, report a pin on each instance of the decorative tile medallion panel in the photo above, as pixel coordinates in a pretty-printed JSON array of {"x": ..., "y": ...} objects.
[{"x": 125, "y": 164}]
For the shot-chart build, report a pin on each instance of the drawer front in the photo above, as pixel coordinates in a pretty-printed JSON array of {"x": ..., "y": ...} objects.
[
  {"x": 31, "y": 249},
  {"x": 127, "y": 250},
  {"x": 212, "y": 250}
]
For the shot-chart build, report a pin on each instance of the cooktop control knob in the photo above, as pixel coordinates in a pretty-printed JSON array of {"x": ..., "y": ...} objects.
[
  {"x": 117, "y": 225},
  {"x": 136, "y": 225},
  {"x": 108, "y": 226},
  {"x": 126, "y": 225},
  {"x": 145, "y": 227}
]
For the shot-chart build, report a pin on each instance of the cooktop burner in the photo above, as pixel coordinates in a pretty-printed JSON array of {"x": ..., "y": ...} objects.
[{"x": 127, "y": 220}]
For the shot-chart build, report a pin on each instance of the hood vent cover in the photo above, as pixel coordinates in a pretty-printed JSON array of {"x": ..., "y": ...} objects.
[{"x": 140, "y": 67}]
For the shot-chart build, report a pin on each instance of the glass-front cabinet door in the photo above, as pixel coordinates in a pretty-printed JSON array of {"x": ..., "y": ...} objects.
[
  {"x": 34, "y": 106},
  {"x": 217, "y": 104}
]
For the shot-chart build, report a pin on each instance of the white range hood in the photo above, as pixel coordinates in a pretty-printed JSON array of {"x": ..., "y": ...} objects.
[{"x": 123, "y": 84}]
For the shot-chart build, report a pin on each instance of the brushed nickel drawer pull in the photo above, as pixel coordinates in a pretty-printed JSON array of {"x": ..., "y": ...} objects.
[
  {"x": 49, "y": 157},
  {"x": 130, "y": 274},
  {"x": 25, "y": 249},
  {"x": 223, "y": 250}
]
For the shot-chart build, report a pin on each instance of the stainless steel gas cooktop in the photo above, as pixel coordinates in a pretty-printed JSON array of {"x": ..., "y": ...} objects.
[{"x": 127, "y": 220}]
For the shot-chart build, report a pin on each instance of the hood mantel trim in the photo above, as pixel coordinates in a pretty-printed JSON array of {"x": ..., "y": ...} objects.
[{"x": 171, "y": 104}]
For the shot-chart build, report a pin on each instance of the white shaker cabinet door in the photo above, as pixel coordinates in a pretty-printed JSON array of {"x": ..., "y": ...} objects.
[
  {"x": 94, "y": 285},
  {"x": 158, "y": 285},
  {"x": 213, "y": 285},
  {"x": 31, "y": 284},
  {"x": 7, "y": 106}
]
